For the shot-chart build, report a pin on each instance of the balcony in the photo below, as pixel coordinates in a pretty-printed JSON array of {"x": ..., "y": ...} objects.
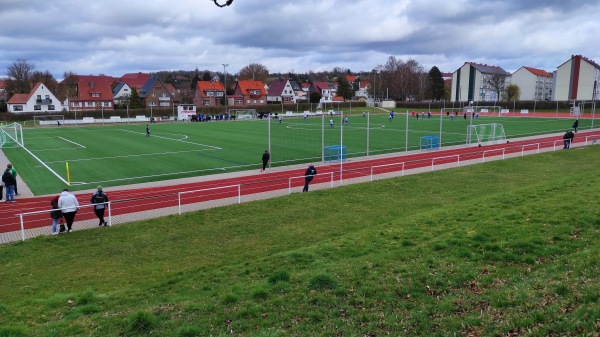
[
  {"x": 43, "y": 101},
  {"x": 255, "y": 96}
]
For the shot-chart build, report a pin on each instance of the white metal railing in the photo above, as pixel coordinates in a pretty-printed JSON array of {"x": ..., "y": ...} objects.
[
  {"x": 239, "y": 193},
  {"x": 537, "y": 145},
  {"x": 594, "y": 139},
  {"x": 22, "y": 215},
  {"x": 387, "y": 165},
  {"x": 445, "y": 157},
  {"x": 302, "y": 177},
  {"x": 495, "y": 150}
]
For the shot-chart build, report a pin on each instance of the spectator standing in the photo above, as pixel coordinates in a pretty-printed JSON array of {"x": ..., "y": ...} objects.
[
  {"x": 9, "y": 184},
  {"x": 1, "y": 191},
  {"x": 14, "y": 173},
  {"x": 576, "y": 125},
  {"x": 568, "y": 139},
  {"x": 69, "y": 205},
  {"x": 55, "y": 215},
  {"x": 310, "y": 173},
  {"x": 99, "y": 199},
  {"x": 265, "y": 160}
]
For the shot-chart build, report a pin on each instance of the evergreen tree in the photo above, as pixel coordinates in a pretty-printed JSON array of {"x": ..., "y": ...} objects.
[
  {"x": 344, "y": 88},
  {"x": 135, "y": 102},
  {"x": 435, "y": 82}
]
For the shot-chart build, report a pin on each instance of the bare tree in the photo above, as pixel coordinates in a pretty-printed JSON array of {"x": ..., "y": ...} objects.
[
  {"x": 255, "y": 72},
  {"x": 497, "y": 82},
  {"x": 19, "y": 76}
]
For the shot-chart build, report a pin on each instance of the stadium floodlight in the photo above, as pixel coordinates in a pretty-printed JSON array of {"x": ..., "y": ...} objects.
[{"x": 227, "y": 3}]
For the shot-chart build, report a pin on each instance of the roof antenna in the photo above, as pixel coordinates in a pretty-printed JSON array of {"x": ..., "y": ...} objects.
[{"x": 228, "y": 3}]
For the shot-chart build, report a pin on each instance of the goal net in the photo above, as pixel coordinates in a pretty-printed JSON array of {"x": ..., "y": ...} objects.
[
  {"x": 243, "y": 113},
  {"x": 49, "y": 120},
  {"x": 11, "y": 135},
  {"x": 492, "y": 110},
  {"x": 485, "y": 133},
  {"x": 334, "y": 153}
]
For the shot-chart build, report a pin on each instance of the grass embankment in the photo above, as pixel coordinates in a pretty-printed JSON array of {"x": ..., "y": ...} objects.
[{"x": 502, "y": 248}]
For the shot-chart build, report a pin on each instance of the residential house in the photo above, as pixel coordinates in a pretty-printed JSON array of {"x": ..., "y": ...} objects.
[
  {"x": 363, "y": 90},
  {"x": 209, "y": 93},
  {"x": 577, "y": 79},
  {"x": 471, "y": 82},
  {"x": 324, "y": 89},
  {"x": 534, "y": 84},
  {"x": 299, "y": 94},
  {"x": 121, "y": 93},
  {"x": 249, "y": 92},
  {"x": 91, "y": 93},
  {"x": 174, "y": 92},
  {"x": 135, "y": 80},
  {"x": 39, "y": 99},
  {"x": 281, "y": 91},
  {"x": 154, "y": 93}
]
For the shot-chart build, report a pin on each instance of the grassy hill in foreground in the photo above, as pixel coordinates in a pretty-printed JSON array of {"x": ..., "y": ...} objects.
[{"x": 496, "y": 249}]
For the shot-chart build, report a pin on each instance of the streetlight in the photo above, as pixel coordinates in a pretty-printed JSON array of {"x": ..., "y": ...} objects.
[{"x": 225, "y": 65}]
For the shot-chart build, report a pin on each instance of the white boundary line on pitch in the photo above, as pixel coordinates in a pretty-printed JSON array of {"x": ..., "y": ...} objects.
[
  {"x": 72, "y": 142},
  {"x": 132, "y": 155},
  {"x": 46, "y": 166},
  {"x": 176, "y": 140}
]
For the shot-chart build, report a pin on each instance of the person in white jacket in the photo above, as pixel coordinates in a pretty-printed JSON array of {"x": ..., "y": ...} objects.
[{"x": 69, "y": 205}]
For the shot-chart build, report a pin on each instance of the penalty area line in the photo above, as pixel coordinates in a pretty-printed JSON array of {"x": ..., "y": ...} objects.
[{"x": 72, "y": 142}]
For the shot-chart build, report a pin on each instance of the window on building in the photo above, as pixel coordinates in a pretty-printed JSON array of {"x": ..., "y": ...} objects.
[
  {"x": 50, "y": 107},
  {"x": 18, "y": 108},
  {"x": 37, "y": 107}
]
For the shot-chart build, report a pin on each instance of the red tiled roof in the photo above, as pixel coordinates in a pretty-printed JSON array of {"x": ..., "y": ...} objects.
[
  {"x": 538, "y": 72},
  {"x": 135, "y": 80},
  {"x": 210, "y": 86},
  {"x": 247, "y": 85},
  {"x": 23, "y": 98},
  {"x": 351, "y": 78},
  {"x": 338, "y": 98},
  {"x": 363, "y": 84},
  {"x": 19, "y": 99},
  {"x": 86, "y": 85}
]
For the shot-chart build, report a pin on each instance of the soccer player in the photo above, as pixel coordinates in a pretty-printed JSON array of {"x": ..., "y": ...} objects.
[
  {"x": 346, "y": 121},
  {"x": 331, "y": 123},
  {"x": 147, "y": 130}
]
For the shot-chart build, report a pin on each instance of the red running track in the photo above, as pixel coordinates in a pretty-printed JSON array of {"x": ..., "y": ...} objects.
[{"x": 150, "y": 198}]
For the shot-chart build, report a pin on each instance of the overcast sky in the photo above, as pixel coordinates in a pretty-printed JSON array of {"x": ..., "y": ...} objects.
[{"x": 114, "y": 37}]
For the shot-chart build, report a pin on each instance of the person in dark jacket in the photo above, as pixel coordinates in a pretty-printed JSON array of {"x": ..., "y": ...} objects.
[
  {"x": 310, "y": 173},
  {"x": 55, "y": 215},
  {"x": 9, "y": 184},
  {"x": 568, "y": 139},
  {"x": 14, "y": 173},
  {"x": 265, "y": 160},
  {"x": 99, "y": 199},
  {"x": 576, "y": 125}
]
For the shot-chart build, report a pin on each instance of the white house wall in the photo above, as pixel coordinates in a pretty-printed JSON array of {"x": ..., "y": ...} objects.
[{"x": 30, "y": 105}]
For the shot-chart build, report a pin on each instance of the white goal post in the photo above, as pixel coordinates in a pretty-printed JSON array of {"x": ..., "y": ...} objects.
[
  {"x": 485, "y": 133},
  {"x": 242, "y": 113},
  {"x": 51, "y": 120},
  {"x": 11, "y": 136}
]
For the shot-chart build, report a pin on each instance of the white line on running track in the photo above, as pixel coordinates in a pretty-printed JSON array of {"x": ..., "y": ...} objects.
[{"x": 176, "y": 140}]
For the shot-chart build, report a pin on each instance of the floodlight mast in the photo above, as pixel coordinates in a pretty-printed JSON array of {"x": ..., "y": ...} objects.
[{"x": 227, "y": 3}]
